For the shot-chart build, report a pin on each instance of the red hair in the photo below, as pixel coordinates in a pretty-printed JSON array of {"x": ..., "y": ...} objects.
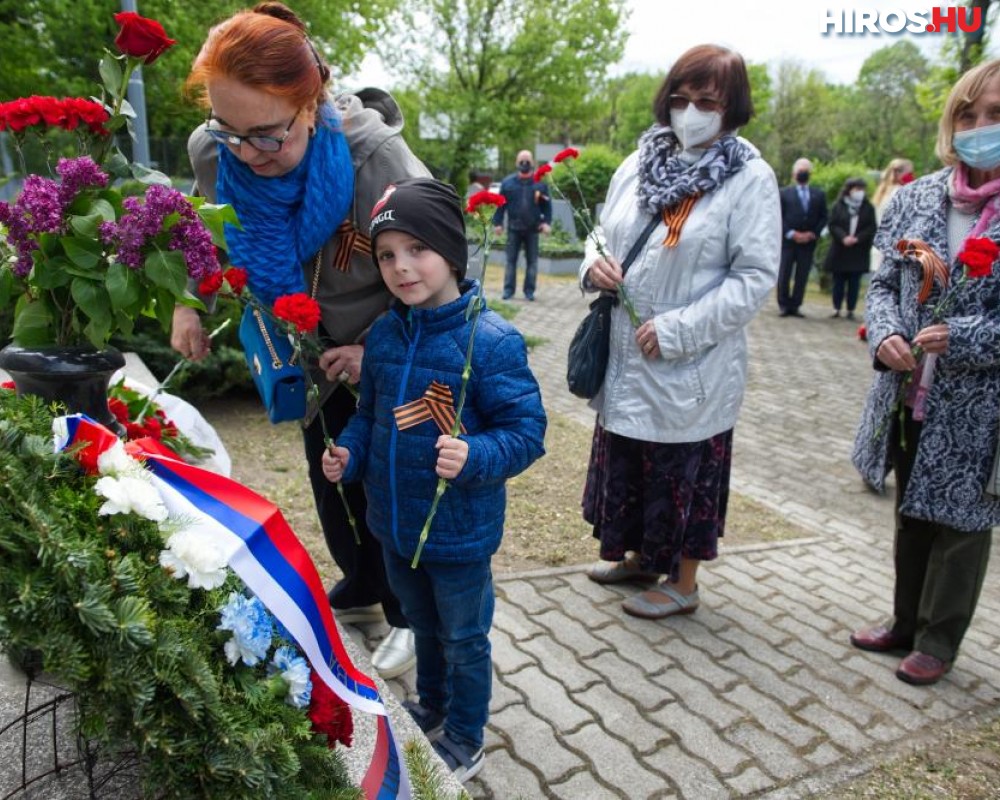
[{"x": 266, "y": 48}]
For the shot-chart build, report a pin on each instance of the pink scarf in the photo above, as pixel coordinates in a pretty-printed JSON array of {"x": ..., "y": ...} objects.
[{"x": 984, "y": 199}]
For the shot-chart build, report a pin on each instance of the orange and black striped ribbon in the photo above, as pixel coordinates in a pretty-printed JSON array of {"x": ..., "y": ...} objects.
[
  {"x": 675, "y": 217},
  {"x": 351, "y": 240},
  {"x": 437, "y": 404}
]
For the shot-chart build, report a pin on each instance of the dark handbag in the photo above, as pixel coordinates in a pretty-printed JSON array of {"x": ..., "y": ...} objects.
[
  {"x": 276, "y": 373},
  {"x": 587, "y": 360}
]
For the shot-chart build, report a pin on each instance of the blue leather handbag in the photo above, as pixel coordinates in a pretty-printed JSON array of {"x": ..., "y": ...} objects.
[{"x": 273, "y": 366}]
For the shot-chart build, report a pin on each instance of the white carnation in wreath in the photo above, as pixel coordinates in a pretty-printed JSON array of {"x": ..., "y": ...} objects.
[{"x": 197, "y": 557}]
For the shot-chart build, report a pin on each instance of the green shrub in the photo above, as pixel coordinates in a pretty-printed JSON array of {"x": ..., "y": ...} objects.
[{"x": 831, "y": 177}]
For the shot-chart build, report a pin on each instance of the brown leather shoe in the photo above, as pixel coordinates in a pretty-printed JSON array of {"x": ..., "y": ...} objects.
[
  {"x": 879, "y": 639},
  {"x": 922, "y": 669}
]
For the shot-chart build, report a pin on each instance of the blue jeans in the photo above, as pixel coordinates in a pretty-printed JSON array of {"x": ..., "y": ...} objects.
[
  {"x": 450, "y": 609},
  {"x": 515, "y": 240}
]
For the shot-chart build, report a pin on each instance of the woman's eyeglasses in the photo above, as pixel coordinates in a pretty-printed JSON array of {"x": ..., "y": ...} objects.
[
  {"x": 266, "y": 144},
  {"x": 679, "y": 102}
]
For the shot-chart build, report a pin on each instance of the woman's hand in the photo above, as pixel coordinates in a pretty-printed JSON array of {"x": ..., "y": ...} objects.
[
  {"x": 338, "y": 360},
  {"x": 850, "y": 241},
  {"x": 645, "y": 337},
  {"x": 933, "y": 338},
  {"x": 335, "y": 462},
  {"x": 452, "y": 455},
  {"x": 187, "y": 336},
  {"x": 895, "y": 352},
  {"x": 605, "y": 273}
]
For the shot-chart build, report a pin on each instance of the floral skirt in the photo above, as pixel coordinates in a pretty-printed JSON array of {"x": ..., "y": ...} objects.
[{"x": 664, "y": 501}]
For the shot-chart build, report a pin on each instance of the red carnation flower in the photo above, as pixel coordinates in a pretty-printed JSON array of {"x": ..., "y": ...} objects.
[
  {"x": 21, "y": 114},
  {"x": 236, "y": 277},
  {"x": 862, "y": 333},
  {"x": 542, "y": 171},
  {"x": 298, "y": 309},
  {"x": 211, "y": 284},
  {"x": 978, "y": 256},
  {"x": 485, "y": 198},
  {"x": 329, "y": 714},
  {"x": 119, "y": 408},
  {"x": 92, "y": 114},
  {"x": 52, "y": 111},
  {"x": 140, "y": 37},
  {"x": 153, "y": 427},
  {"x": 134, "y": 431},
  {"x": 8, "y": 385},
  {"x": 569, "y": 152}
]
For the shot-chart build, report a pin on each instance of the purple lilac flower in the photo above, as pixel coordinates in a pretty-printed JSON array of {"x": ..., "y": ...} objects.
[
  {"x": 78, "y": 173},
  {"x": 194, "y": 241},
  {"x": 37, "y": 210}
]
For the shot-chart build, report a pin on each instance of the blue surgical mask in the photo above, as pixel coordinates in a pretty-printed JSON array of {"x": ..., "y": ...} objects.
[{"x": 978, "y": 148}]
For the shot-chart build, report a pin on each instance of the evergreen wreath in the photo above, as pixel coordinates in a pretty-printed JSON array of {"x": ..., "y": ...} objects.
[{"x": 142, "y": 651}]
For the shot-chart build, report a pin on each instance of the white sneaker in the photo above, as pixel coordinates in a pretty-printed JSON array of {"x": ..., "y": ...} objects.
[{"x": 395, "y": 654}]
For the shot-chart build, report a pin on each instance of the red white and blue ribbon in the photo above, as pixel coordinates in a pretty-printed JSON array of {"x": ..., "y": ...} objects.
[{"x": 264, "y": 552}]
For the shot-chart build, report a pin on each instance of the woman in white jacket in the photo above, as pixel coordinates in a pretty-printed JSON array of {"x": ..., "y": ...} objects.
[{"x": 658, "y": 480}]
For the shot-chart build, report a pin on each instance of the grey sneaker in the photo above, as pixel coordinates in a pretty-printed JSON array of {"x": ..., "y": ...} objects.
[{"x": 462, "y": 760}]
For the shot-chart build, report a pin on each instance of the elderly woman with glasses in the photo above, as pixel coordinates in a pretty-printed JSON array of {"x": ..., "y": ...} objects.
[
  {"x": 703, "y": 207},
  {"x": 303, "y": 170}
]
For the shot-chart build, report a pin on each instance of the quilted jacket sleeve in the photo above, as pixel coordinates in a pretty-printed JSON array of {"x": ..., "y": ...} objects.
[{"x": 509, "y": 398}]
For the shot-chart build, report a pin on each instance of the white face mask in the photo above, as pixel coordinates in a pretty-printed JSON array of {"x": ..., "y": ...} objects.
[
  {"x": 857, "y": 195},
  {"x": 694, "y": 127}
]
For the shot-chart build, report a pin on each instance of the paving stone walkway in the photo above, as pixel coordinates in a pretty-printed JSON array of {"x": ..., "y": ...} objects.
[{"x": 758, "y": 694}]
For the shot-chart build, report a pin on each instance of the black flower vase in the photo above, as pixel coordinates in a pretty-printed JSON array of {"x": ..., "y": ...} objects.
[{"x": 76, "y": 377}]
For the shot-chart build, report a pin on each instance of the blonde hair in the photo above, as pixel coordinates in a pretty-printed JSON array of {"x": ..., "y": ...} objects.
[
  {"x": 963, "y": 94},
  {"x": 897, "y": 168}
]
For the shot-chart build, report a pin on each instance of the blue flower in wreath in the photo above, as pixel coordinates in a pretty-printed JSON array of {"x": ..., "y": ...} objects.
[
  {"x": 295, "y": 671},
  {"x": 251, "y": 626}
]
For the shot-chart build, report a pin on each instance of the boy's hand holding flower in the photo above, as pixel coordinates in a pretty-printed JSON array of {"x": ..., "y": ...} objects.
[
  {"x": 452, "y": 455},
  {"x": 335, "y": 460}
]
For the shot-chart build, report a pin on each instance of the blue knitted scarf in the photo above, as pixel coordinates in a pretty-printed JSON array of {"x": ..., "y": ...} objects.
[{"x": 286, "y": 220}]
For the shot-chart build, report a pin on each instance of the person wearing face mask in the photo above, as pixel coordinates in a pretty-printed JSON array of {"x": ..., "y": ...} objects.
[
  {"x": 852, "y": 228},
  {"x": 897, "y": 174},
  {"x": 931, "y": 413},
  {"x": 528, "y": 212},
  {"x": 803, "y": 217},
  {"x": 702, "y": 207}
]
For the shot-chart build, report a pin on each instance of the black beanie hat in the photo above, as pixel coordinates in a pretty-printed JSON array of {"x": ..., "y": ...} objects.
[{"x": 428, "y": 210}]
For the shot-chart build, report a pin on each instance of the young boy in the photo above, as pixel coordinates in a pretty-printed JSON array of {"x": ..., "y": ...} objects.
[{"x": 399, "y": 443}]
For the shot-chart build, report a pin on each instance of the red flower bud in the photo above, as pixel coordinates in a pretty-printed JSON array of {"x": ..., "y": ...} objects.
[
  {"x": 569, "y": 152},
  {"x": 140, "y": 37},
  {"x": 236, "y": 277},
  {"x": 211, "y": 284},
  {"x": 542, "y": 171}
]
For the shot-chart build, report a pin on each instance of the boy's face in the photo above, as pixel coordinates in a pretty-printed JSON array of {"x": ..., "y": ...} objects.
[{"x": 414, "y": 273}]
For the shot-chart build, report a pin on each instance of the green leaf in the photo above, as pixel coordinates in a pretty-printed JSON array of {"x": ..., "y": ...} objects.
[
  {"x": 7, "y": 287},
  {"x": 132, "y": 613},
  {"x": 163, "y": 306},
  {"x": 85, "y": 225},
  {"x": 91, "y": 298},
  {"x": 111, "y": 74},
  {"x": 93, "y": 610},
  {"x": 127, "y": 110},
  {"x": 215, "y": 216},
  {"x": 117, "y": 164},
  {"x": 34, "y": 323},
  {"x": 123, "y": 285},
  {"x": 83, "y": 252},
  {"x": 149, "y": 176},
  {"x": 168, "y": 269},
  {"x": 98, "y": 331},
  {"x": 51, "y": 273}
]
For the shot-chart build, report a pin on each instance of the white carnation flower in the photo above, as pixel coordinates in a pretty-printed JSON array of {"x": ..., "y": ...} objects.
[
  {"x": 196, "y": 557},
  {"x": 116, "y": 461},
  {"x": 131, "y": 495}
]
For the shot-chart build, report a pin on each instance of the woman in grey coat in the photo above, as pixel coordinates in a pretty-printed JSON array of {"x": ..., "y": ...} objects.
[{"x": 931, "y": 414}]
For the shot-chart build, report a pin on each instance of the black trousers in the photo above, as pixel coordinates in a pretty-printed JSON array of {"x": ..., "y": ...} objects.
[
  {"x": 939, "y": 570},
  {"x": 364, "y": 582},
  {"x": 796, "y": 262}
]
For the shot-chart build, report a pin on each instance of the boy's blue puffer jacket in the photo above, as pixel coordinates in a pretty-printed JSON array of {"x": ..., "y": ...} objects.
[{"x": 503, "y": 416}]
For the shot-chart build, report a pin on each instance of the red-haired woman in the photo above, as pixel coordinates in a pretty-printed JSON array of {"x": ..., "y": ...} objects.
[
  {"x": 302, "y": 170},
  {"x": 658, "y": 480}
]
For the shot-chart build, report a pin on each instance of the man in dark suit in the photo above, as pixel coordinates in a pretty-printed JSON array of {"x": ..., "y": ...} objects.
[{"x": 803, "y": 216}]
